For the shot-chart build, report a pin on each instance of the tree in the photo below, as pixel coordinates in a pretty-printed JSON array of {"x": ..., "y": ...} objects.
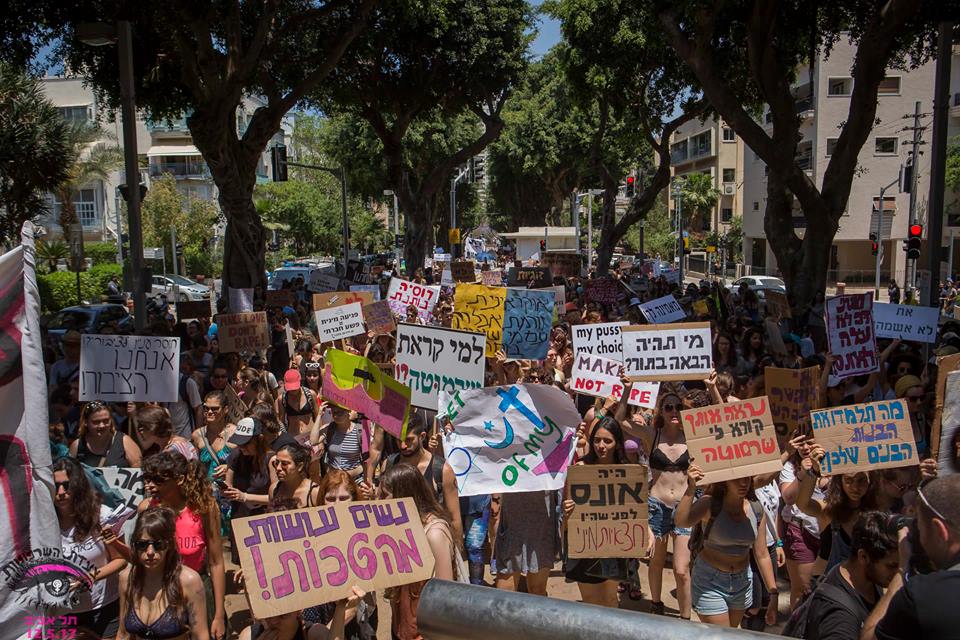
[
  {"x": 953, "y": 164},
  {"x": 90, "y": 159},
  {"x": 34, "y": 144},
  {"x": 699, "y": 199},
  {"x": 658, "y": 238},
  {"x": 747, "y": 53},
  {"x": 427, "y": 63},
  {"x": 203, "y": 58},
  {"x": 165, "y": 208}
]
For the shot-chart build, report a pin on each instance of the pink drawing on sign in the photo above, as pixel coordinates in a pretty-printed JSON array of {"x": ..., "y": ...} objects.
[{"x": 557, "y": 460}]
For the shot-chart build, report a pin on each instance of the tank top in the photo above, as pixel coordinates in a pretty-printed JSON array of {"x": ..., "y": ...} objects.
[
  {"x": 191, "y": 538},
  {"x": 115, "y": 455},
  {"x": 732, "y": 537}
]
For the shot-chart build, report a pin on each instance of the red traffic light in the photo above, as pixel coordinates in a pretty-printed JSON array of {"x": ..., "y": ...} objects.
[
  {"x": 630, "y": 179},
  {"x": 916, "y": 230}
]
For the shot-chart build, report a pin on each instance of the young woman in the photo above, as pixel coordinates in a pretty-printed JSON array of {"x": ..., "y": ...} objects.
[
  {"x": 159, "y": 596},
  {"x": 100, "y": 443},
  {"x": 293, "y": 489},
  {"x": 298, "y": 405},
  {"x": 733, "y": 524},
  {"x": 312, "y": 373},
  {"x": 183, "y": 488},
  {"x": 406, "y": 481},
  {"x": 82, "y": 530},
  {"x": 212, "y": 439},
  {"x": 156, "y": 433},
  {"x": 340, "y": 441},
  {"x": 725, "y": 358},
  {"x": 598, "y": 579},
  {"x": 252, "y": 387},
  {"x": 751, "y": 350}
]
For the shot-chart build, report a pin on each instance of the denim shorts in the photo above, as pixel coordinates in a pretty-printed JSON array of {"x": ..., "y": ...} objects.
[
  {"x": 716, "y": 592},
  {"x": 661, "y": 519}
]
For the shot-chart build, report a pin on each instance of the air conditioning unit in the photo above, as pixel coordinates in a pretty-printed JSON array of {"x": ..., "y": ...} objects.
[{"x": 729, "y": 189}]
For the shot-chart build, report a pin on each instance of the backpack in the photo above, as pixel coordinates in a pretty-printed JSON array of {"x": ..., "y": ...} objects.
[
  {"x": 700, "y": 532},
  {"x": 799, "y": 621}
]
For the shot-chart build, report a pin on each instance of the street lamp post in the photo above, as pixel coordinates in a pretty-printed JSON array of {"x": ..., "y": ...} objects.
[
  {"x": 876, "y": 283},
  {"x": 678, "y": 196}
]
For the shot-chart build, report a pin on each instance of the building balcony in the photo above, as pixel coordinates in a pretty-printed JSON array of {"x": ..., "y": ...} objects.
[
  {"x": 955, "y": 105},
  {"x": 181, "y": 170},
  {"x": 177, "y": 127}
]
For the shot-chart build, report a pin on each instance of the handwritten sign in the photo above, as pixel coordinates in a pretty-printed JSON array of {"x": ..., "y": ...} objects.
[
  {"x": 850, "y": 334},
  {"x": 597, "y": 376},
  {"x": 793, "y": 394},
  {"x": 945, "y": 366},
  {"x": 403, "y": 293},
  {"x": 861, "y": 437},
  {"x": 603, "y": 290},
  {"x": 907, "y": 322},
  {"x": 193, "y": 309},
  {"x": 462, "y": 271},
  {"x": 379, "y": 317},
  {"x": 340, "y": 298},
  {"x": 359, "y": 384},
  {"x": 337, "y": 323},
  {"x": 129, "y": 368},
  {"x": 280, "y": 298},
  {"x": 534, "y": 277},
  {"x": 243, "y": 331},
  {"x": 492, "y": 278},
  {"x": 945, "y": 441},
  {"x": 659, "y": 352},
  {"x": 479, "y": 309},
  {"x": 509, "y": 439},
  {"x": 732, "y": 440},
  {"x": 599, "y": 339},
  {"x": 663, "y": 310},
  {"x": 433, "y": 358},
  {"x": 777, "y": 304},
  {"x": 129, "y": 482},
  {"x": 305, "y": 557},
  {"x": 527, "y": 320},
  {"x": 321, "y": 282},
  {"x": 609, "y": 519},
  {"x": 563, "y": 265}
]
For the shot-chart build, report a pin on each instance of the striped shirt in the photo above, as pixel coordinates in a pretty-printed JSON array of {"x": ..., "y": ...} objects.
[{"x": 344, "y": 449}]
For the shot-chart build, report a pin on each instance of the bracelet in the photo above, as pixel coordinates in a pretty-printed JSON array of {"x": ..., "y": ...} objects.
[{"x": 779, "y": 544}]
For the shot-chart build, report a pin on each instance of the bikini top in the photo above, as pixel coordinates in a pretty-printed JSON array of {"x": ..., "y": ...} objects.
[
  {"x": 660, "y": 461},
  {"x": 164, "y": 627}
]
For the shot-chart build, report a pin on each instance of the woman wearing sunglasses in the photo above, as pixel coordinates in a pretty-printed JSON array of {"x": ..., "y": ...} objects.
[
  {"x": 293, "y": 489},
  {"x": 213, "y": 442},
  {"x": 160, "y": 598},
  {"x": 84, "y": 531},
  {"x": 310, "y": 372},
  {"x": 155, "y": 430},
  {"x": 100, "y": 443}
]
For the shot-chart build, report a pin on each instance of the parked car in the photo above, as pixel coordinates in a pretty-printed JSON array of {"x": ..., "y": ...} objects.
[
  {"x": 88, "y": 318},
  {"x": 760, "y": 284},
  {"x": 288, "y": 273},
  {"x": 185, "y": 288}
]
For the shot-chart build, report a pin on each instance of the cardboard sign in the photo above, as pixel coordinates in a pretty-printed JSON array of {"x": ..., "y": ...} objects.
[
  {"x": 777, "y": 304},
  {"x": 129, "y": 368},
  {"x": 945, "y": 366},
  {"x": 372, "y": 289},
  {"x": 463, "y": 271},
  {"x": 240, "y": 300},
  {"x": 129, "y": 482},
  {"x": 660, "y": 352},
  {"x": 532, "y": 277},
  {"x": 357, "y": 383},
  {"x": 291, "y": 343},
  {"x": 527, "y": 320},
  {"x": 243, "y": 331},
  {"x": 600, "y": 339},
  {"x": 403, "y": 293},
  {"x": 337, "y": 323},
  {"x": 905, "y": 321},
  {"x": 306, "y": 557},
  {"x": 945, "y": 442},
  {"x": 563, "y": 265},
  {"x": 379, "y": 317},
  {"x": 433, "y": 358},
  {"x": 321, "y": 282},
  {"x": 793, "y": 394},
  {"x": 340, "y": 298},
  {"x": 732, "y": 440},
  {"x": 663, "y": 310},
  {"x": 850, "y": 334},
  {"x": 603, "y": 290},
  {"x": 193, "y": 309},
  {"x": 479, "y": 309},
  {"x": 492, "y": 278},
  {"x": 509, "y": 439},
  {"x": 861, "y": 437},
  {"x": 280, "y": 298},
  {"x": 597, "y": 376},
  {"x": 610, "y": 516}
]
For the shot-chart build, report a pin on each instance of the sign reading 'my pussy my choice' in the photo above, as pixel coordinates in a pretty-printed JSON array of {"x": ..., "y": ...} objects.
[{"x": 600, "y": 339}]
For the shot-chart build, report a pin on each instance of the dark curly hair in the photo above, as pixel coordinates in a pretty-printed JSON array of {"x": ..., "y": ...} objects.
[
  {"x": 84, "y": 500},
  {"x": 876, "y": 533},
  {"x": 159, "y": 524}
]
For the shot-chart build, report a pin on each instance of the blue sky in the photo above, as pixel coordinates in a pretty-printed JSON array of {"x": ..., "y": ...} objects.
[{"x": 548, "y": 35}]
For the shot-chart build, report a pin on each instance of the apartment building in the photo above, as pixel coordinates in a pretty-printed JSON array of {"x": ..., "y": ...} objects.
[{"x": 823, "y": 101}]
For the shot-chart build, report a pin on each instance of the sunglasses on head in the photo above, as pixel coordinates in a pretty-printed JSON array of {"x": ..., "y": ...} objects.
[
  {"x": 90, "y": 407},
  {"x": 143, "y": 545},
  {"x": 311, "y": 366}
]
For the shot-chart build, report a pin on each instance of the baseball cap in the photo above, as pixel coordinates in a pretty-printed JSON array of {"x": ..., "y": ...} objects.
[
  {"x": 291, "y": 380},
  {"x": 247, "y": 429}
]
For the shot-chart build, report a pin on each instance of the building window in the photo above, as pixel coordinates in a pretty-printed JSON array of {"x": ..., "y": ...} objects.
[
  {"x": 726, "y": 214},
  {"x": 831, "y": 145},
  {"x": 75, "y": 115},
  {"x": 729, "y": 135},
  {"x": 729, "y": 175},
  {"x": 700, "y": 144},
  {"x": 885, "y": 146},
  {"x": 85, "y": 204},
  {"x": 889, "y": 87},
  {"x": 678, "y": 151},
  {"x": 839, "y": 86},
  {"x": 756, "y": 206}
]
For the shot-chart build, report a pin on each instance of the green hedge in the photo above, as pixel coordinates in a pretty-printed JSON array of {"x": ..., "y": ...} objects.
[
  {"x": 59, "y": 289},
  {"x": 101, "y": 252}
]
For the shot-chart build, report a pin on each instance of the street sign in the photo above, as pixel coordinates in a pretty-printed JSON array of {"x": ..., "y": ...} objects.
[{"x": 153, "y": 253}]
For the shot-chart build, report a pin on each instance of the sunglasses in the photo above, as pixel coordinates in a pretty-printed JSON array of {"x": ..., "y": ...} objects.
[
  {"x": 143, "y": 545},
  {"x": 155, "y": 479},
  {"x": 61, "y": 485},
  {"x": 210, "y": 409},
  {"x": 671, "y": 407}
]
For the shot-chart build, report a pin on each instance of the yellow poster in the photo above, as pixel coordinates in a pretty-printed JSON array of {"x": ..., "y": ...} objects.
[{"x": 479, "y": 308}]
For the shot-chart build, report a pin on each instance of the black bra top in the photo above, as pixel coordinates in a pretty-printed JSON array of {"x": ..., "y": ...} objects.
[
  {"x": 660, "y": 461},
  {"x": 164, "y": 627}
]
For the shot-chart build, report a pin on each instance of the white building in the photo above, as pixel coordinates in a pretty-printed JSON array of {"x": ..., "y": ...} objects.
[{"x": 527, "y": 240}]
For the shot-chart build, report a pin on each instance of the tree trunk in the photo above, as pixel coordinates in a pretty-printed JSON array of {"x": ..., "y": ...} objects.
[
  {"x": 608, "y": 226},
  {"x": 417, "y": 237}
]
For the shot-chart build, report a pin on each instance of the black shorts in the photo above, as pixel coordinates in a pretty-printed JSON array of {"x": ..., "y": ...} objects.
[{"x": 103, "y": 622}]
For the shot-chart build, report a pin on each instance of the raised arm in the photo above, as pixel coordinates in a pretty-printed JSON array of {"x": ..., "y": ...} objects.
[{"x": 689, "y": 512}]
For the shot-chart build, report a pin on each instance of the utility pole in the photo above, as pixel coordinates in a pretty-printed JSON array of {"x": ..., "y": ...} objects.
[
  {"x": 453, "y": 207},
  {"x": 173, "y": 250},
  {"x": 910, "y": 274},
  {"x": 882, "y": 207},
  {"x": 678, "y": 197}
]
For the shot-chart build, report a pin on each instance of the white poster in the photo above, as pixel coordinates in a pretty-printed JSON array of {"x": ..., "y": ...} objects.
[
  {"x": 850, "y": 334},
  {"x": 509, "y": 439},
  {"x": 446, "y": 278},
  {"x": 337, "y": 323},
  {"x": 372, "y": 288},
  {"x": 601, "y": 339},
  {"x": 907, "y": 322},
  {"x": 321, "y": 282},
  {"x": 661, "y": 352},
  {"x": 431, "y": 359},
  {"x": 241, "y": 300},
  {"x": 597, "y": 376},
  {"x": 129, "y": 368},
  {"x": 663, "y": 310},
  {"x": 403, "y": 293},
  {"x": 948, "y": 446},
  {"x": 129, "y": 482}
]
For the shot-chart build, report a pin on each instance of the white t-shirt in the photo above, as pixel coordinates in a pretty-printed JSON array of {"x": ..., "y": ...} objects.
[
  {"x": 180, "y": 413},
  {"x": 791, "y": 513},
  {"x": 769, "y": 499},
  {"x": 93, "y": 550}
]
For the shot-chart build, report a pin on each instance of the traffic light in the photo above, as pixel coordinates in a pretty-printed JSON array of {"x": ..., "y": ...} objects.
[
  {"x": 179, "y": 249},
  {"x": 123, "y": 192},
  {"x": 477, "y": 168},
  {"x": 631, "y": 186},
  {"x": 278, "y": 162},
  {"x": 686, "y": 246},
  {"x": 874, "y": 247},
  {"x": 913, "y": 241},
  {"x": 543, "y": 245}
]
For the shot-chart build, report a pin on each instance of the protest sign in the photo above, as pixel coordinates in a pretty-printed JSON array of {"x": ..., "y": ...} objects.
[
  {"x": 240, "y": 299},
  {"x": 359, "y": 384},
  {"x": 850, "y": 334},
  {"x": 403, "y": 293},
  {"x": 603, "y": 290},
  {"x": 945, "y": 366},
  {"x": 492, "y": 278},
  {"x": 193, "y": 309},
  {"x": 446, "y": 278},
  {"x": 379, "y": 317},
  {"x": 945, "y": 443},
  {"x": 358, "y": 271},
  {"x": 777, "y": 304},
  {"x": 672, "y": 276},
  {"x": 372, "y": 289},
  {"x": 129, "y": 368},
  {"x": 280, "y": 298},
  {"x": 659, "y": 352},
  {"x": 129, "y": 482},
  {"x": 563, "y": 265},
  {"x": 597, "y": 376},
  {"x": 462, "y": 271},
  {"x": 793, "y": 394},
  {"x": 479, "y": 308},
  {"x": 862, "y": 437},
  {"x": 598, "y": 339},
  {"x": 337, "y": 323},
  {"x": 433, "y": 358},
  {"x": 527, "y": 320},
  {"x": 905, "y": 321},
  {"x": 340, "y": 298},
  {"x": 609, "y": 519},
  {"x": 509, "y": 439},
  {"x": 306, "y": 557},
  {"x": 533, "y": 277},
  {"x": 732, "y": 440},
  {"x": 243, "y": 331},
  {"x": 663, "y": 310},
  {"x": 441, "y": 257},
  {"x": 291, "y": 343},
  {"x": 321, "y": 282}
]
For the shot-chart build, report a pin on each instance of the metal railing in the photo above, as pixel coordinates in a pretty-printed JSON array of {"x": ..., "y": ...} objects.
[{"x": 180, "y": 169}]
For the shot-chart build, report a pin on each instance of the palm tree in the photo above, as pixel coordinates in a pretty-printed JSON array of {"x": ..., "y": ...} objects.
[
  {"x": 700, "y": 198},
  {"x": 92, "y": 160}
]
